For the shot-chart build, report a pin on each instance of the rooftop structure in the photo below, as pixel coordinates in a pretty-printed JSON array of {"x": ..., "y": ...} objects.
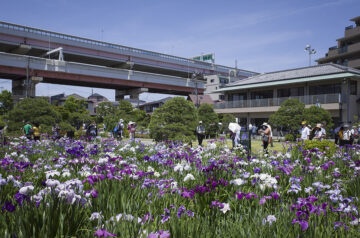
[
  {"x": 333, "y": 87},
  {"x": 347, "y": 50},
  {"x": 150, "y": 107}
]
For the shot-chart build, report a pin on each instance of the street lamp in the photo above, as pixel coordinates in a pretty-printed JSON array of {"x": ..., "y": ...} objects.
[{"x": 311, "y": 52}]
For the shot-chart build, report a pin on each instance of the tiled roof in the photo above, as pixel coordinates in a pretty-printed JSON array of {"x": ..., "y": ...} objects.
[
  {"x": 96, "y": 95},
  {"x": 202, "y": 99},
  {"x": 318, "y": 70},
  {"x": 158, "y": 101}
]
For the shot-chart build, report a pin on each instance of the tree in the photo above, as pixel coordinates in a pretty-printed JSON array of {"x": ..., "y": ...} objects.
[
  {"x": 125, "y": 111},
  {"x": 142, "y": 119},
  {"x": 35, "y": 110},
  {"x": 105, "y": 109},
  {"x": 6, "y": 102},
  {"x": 73, "y": 104},
  {"x": 77, "y": 111},
  {"x": 175, "y": 120},
  {"x": 209, "y": 118},
  {"x": 288, "y": 116},
  {"x": 225, "y": 120},
  {"x": 314, "y": 115}
]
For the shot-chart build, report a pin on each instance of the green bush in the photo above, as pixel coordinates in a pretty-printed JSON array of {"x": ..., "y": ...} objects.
[
  {"x": 324, "y": 146},
  {"x": 289, "y": 137}
]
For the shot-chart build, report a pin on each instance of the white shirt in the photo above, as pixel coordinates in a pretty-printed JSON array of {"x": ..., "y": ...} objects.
[
  {"x": 318, "y": 134},
  {"x": 305, "y": 132},
  {"x": 270, "y": 131},
  {"x": 346, "y": 135},
  {"x": 323, "y": 132}
]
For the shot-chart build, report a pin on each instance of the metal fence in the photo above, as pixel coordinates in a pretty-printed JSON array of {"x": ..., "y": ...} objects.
[{"x": 269, "y": 102}]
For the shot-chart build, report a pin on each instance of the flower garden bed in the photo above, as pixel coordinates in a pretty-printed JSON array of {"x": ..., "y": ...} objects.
[{"x": 106, "y": 188}]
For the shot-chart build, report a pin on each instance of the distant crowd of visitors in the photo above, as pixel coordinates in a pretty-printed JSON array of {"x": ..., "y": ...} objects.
[{"x": 32, "y": 132}]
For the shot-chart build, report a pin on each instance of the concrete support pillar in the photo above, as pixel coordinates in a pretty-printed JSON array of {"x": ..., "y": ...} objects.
[
  {"x": 21, "y": 90},
  {"x": 134, "y": 96},
  {"x": 119, "y": 94},
  {"x": 134, "y": 93}
]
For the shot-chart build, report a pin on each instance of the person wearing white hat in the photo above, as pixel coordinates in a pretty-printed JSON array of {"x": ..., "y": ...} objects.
[
  {"x": 266, "y": 136},
  {"x": 132, "y": 130},
  {"x": 200, "y": 133},
  {"x": 118, "y": 130},
  {"x": 318, "y": 135}
]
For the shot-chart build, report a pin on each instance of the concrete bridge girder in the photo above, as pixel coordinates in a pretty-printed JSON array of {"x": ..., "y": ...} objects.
[
  {"x": 23, "y": 88},
  {"x": 16, "y": 67},
  {"x": 134, "y": 93}
]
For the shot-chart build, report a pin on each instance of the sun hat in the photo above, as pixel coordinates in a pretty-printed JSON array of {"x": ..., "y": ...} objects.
[
  {"x": 200, "y": 122},
  {"x": 303, "y": 123},
  {"x": 318, "y": 125}
]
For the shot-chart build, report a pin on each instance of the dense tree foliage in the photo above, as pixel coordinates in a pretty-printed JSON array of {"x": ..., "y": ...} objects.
[
  {"x": 142, "y": 119},
  {"x": 105, "y": 109},
  {"x": 76, "y": 110},
  {"x": 125, "y": 111},
  {"x": 34, "y": 110},
  {"x": 314, "y": 115},
  {"x": 288, "y": 116},
  {"x": 6, "y": 102},
  {"x": 209, "y": 118},
  {"x": 175, "y": 120}
]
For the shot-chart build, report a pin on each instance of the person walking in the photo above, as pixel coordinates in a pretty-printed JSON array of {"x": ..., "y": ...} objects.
[
  {"x": 56, "y": 131},
  {"x": 118, "y": 130},
  {"x": 200, "y": 133},
  {"x": 253, "y": 131},
  {"x": 345, "y": 135},
  {"x": 132, "y": 130},
  {"x": 336, "y": 134},
  {"x": 266, "y": 136},
  {"x": 305, "y": 131},
  {"x": 91, "y": 131},
  {"x": 36, "y": 129},
  {"x": 28, "y": 131}
]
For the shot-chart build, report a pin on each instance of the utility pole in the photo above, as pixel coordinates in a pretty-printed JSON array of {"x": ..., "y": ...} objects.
[
  {"x": 196, "y": 76},
  {"x": 27, "y": 78}
]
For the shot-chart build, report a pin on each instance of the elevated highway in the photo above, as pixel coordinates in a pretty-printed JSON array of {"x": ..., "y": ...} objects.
[{"x": 98, "y": 64}]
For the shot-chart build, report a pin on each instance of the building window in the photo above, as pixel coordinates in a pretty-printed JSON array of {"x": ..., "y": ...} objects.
[
  {"x": 237, "y": 96},
  {"x": 224, "y": 81},
  {"x": 262, "y": 94},
  {"x": 290, "y": 92},
  {"x": 353, "y": 87},
  {"x": 325, "y": 89},
  {"x": 221, "y": 97},
  {"x": 211, "y": 80}
]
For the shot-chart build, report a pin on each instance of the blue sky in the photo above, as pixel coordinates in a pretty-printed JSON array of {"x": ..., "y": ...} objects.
[{"x": 263, "y": 36}]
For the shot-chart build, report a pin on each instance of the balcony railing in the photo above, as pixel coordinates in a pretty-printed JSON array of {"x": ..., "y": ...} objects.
[{"x": 270, "y": 102}]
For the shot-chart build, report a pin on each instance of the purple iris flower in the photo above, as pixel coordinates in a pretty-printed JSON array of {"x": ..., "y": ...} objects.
[
  {"x": 104, "y": 233},
  {"x": 257, "y": 170},
  {"x": 8, "y": 207},
  {"x": 181, "y": 210}
]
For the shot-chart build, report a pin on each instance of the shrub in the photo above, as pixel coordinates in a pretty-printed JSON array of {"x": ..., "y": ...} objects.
[
  {"x": 289, "y": 137},
  {"x": 324, "y": 146}
]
